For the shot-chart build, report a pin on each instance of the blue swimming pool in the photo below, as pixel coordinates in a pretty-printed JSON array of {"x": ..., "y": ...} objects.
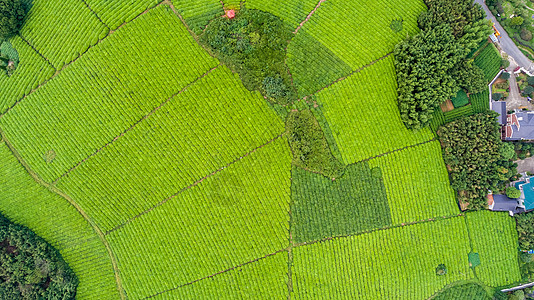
[{"x": 528, "y": 189}]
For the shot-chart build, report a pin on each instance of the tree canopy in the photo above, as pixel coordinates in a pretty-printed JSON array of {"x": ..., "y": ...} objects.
[
  {"x": 12, "y": 13},
  {"x": 253, "y": 44},
  {"x": 431, "y": 66},
  {"x": 30, "y": 268},
  {"x": 472, "y": 150},
  {"x": 457, "y": 13}
]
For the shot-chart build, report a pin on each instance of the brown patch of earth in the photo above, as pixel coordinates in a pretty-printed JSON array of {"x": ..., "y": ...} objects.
[{"x": 446, "y": 106}]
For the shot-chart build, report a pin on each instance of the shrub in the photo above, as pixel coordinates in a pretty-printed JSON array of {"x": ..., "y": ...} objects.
[
  {"x": 396, "y": 25},
  {"x": 505, "y": 75},
  {"x": 505, "y": 63},
  {"x": 526, "y": 34},
  {"x": 517, "y": 21},
  {"x": 12, "y": 14},
  {"x": 496, "y": 96},
  {"x": 528, "y": 90},
  {"x": 460, "y": 99},
  {"x": 441, "y": 270},
  {"x": 512, "y": 192}
]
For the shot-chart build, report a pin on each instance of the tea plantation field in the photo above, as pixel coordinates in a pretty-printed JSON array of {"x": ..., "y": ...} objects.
[{"x": 137, "y": 153}]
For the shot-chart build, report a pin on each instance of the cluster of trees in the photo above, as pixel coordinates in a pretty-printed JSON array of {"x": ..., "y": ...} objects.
[
  {"x": 12, "y": 13},
  {"x": 432, "y": 66},
  {"x": 309, "y": 145},
  {"x": 253, "y": 44},
  {"x": 30, "y": 268},
  {"x": 525, "y": 233},
  {"x": 523, "y": 149},
  {"x": 476, "y": 157}
]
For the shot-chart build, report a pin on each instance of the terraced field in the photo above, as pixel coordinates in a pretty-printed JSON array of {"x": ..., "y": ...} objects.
[{"x": 152, "y": 169}]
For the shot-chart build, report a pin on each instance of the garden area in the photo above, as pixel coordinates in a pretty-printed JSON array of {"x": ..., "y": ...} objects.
[
  {"x": 516, "y": 16},
  {"x": 501, "y": 87}
]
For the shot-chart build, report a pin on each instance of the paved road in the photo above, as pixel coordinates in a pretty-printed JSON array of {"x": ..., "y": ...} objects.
[{"x": 506, "y": 42}]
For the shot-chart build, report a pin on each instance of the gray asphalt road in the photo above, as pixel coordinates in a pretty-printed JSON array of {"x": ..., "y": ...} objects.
[{"x": 506, "y": 42}]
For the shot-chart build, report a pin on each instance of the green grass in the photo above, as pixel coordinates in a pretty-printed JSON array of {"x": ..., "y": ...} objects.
[
  {"x": 417, "y": 183},
  {"x": 398, "y": 263},
  {"x": 62, "y": 30},
  {"x": 494, "y": 238},
  {"x": 115, "y": 13},
  {"x": 168, "y": 145},
  {"x": 31, "y": 71},
  {"x": 363, "y": 114},
  {"x": 489, "y": 60},
  {"x": 324, "y": 208},
  {"x": 292, "y": 12},
  {"x": 312, "y": 65},
  {"x": 359, "y": 32},
  {"x": 264, "y": 279},
  {"x": 50, "y": 216},
  {"x": 96, "y": 98},
  {"x": 460, "y": 99},
  {"x": 197, "y": 13},
  {"x": 230, "y": 218}
]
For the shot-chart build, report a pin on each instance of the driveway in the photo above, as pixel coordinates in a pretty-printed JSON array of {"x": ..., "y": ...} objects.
[
  {"x": 515, "y": 100},
  {"x": 506, "y": 43},
  {"x": 526, "y": 165}
]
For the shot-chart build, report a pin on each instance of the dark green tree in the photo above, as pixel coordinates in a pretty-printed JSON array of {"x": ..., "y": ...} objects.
[
  {"x": 505, "y": 75},
  {"x": 30, "y": 268},
  {"x": 12, "y": 13},
  {"x": 528, "y": 90}
]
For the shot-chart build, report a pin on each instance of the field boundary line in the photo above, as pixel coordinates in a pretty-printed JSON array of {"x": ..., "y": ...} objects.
[
  {"x": 95, "y": 14},
  {"x": 193, "y": 184},
  {"x": 308, "y": 17},
  {"x": 396, "y": 150},
  {"x": 146, "y": 116},
  {"x": 348, "y": 75},
  {"x": 71, "y": 201},
  {"x": 218, "y": 273},
  {"x": 110, "y": 32},
  {"x": 37, "y": 51},
  {"x": 430, "y": 220}
]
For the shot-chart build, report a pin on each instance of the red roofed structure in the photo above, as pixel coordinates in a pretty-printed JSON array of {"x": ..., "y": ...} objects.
[{"x": 230, "y": 14}]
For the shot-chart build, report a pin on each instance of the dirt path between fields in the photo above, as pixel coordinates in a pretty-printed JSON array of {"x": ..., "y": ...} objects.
[
  {"x": 308, "y": 17},
  {"x": 133, "y": 125}
]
